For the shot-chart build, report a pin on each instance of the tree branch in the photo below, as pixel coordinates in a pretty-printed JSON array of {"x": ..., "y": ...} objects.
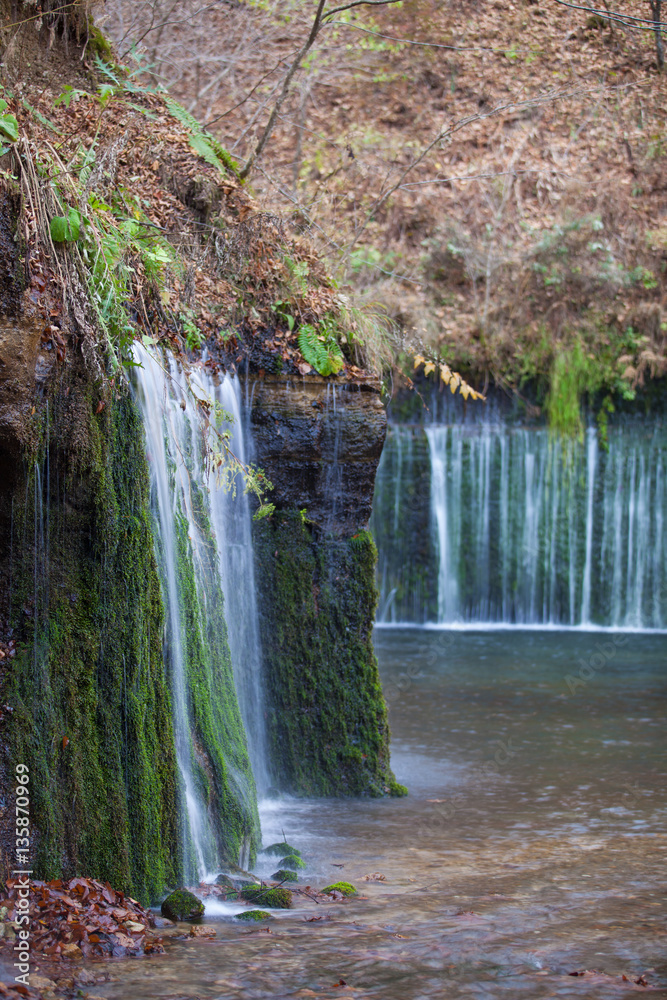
[{"x": 320, "y": 17}]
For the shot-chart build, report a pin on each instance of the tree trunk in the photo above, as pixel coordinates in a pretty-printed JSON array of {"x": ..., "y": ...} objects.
[{"x": 657, "y": 28}]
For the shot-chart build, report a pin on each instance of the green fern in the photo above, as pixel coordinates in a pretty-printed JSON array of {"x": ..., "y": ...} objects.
[
  {"x": 324, "y": 355},
  {"x": 203, "y": 143}
]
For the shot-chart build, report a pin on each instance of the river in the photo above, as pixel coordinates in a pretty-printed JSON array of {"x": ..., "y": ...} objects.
[{"x": 531, "y": 846}]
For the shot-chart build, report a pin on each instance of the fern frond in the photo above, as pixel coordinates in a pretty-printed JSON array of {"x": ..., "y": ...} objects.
[
  {"x": 203, "y": 143},
  {"x": 324, "y": 357}
]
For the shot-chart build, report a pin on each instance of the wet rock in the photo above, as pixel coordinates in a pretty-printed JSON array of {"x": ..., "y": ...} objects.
[
  {"x": 345, "y": 888},
  {"x": 225, "y": 881},
  {"x": 240, "y": 876},
  {"x": 85, "y": 978},
  {"x": 203, "y": 930},
  {"x": 284, "y": 875},
  {"x": 41, "y": 982},
  {"x": 283, "y": 849},
  {"x": 293, "y": 862},
  {"x": 313, "y": 432},
  {"x": 182, "y": 905},
  {"x": 66, "y": 984},
  {"x": 278, "y": 898},
  {"x": 254, "y": 916}
]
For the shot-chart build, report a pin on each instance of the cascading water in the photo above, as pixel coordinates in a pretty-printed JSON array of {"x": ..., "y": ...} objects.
[
  {"x": 193, "y": 516},
  {"x": 231, "y": 516},
  {"x": 508, "y": 525}
]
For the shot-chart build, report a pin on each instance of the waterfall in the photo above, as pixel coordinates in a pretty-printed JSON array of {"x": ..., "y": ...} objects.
[
  {"x": 509, "y": 525},
  {"x": 202, "y": 534},
  {"x": 232, "y": 524}
]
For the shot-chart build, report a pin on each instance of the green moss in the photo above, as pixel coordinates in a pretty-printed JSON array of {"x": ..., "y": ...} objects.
[
  {"x": 292, "y": 861},
  {"x": 283, "y": 848},
  {"x": 90, "y": 690},
  {"x": 346, "y": 888},
  {"x": 284, "y": 875},
  {"x": 254, "y": 916},
  {"x": 327, "y": 717},
  {"x": 92, "y": 712},
  {"x": 182, "y": 905},
  {"x": 278, "y": 898},
  {"x": 98, "y": 43},
  {"x": 396, "y": 790}
]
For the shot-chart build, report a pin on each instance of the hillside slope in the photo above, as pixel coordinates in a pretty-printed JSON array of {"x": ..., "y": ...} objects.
[{"x": 535, "y": 231}]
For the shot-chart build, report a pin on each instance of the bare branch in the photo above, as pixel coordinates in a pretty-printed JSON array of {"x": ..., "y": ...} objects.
[{"x": 264, "y": 138}]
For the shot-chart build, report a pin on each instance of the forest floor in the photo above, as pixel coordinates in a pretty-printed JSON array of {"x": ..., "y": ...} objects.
[{"x": 535, "y": 227}]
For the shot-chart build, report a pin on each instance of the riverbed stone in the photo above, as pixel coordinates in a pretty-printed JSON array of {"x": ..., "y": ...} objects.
[
  {"x": 292, "y": 861},
  {"x": 254, "y": 915},
  {"x": 345, "y": 888},
  {"x": 285, "y": 875},
  {"x": 202, "y": 930},
  {"x": 277, "y": 898},
  {"x": 41, "y": 982},
  {"x": 182, "y": 905},
  {"x": 283, "y": 849}
]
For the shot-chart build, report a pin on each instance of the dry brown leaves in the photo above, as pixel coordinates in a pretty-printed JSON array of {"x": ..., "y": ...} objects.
[{"x": 84, "y": 917}]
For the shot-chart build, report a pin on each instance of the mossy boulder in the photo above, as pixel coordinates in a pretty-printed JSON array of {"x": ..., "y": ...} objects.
[
  {"x": 292, "y": 861},
  {"x": 182, "y": 905},
  {"x": 225, "y": 881},
  {"x": 254, "y": 915},
  {"x": 284, "y": 875},
  {"x": 278, "y": 898},
  {"x": 283, "y": 849},
  {"x": 346, "y": 888}
]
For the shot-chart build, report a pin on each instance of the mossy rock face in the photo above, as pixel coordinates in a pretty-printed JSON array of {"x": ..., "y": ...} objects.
[
  {"x": 396, "y": 790},
  {"x": 106, "y": 800},
  {"x": 254, "y": 915},
  {"x": 284, "y": 875},
  {"x": 346, "y": 888},
  {"x": 283, "y": 849},
  {"x": 326, "y": 716},
  {"x": 278, "y": 898},
  {"x": 182, "y": 905},
  {"x": 292, "y": 861}
]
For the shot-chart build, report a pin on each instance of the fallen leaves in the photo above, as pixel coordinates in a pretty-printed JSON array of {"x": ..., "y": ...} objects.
[
  {"x": 83, "y": 917},
  {"x": 375, "y": 877}
]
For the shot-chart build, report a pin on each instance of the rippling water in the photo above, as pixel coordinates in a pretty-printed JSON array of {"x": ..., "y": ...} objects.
[{"x": 532, "y": 844}]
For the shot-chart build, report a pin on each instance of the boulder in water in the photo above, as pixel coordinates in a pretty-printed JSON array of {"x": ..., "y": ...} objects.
[
  {"x": 225, "y": 881},
  {"x": 182, "y": 905},
  {"x": 292, "y": 861},
  {"x": 278, "y": 898},
  {"x": 283, "y": 848},
  {"x": 345, "y": 888},
  {"x": 284, "y": 875},
  {"x": 254, "y": 915}
]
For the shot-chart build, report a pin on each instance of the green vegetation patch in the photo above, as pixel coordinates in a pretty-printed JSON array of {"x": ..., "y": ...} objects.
[
  {"x": 283, "y": 849},
  {"x": 254, "y": 916},
  {"x": 182, "y": 905},
  {"x": 346, "y": 888},
  {"x": 278, "y": 898},
  {"x": 293, "y": 862}
]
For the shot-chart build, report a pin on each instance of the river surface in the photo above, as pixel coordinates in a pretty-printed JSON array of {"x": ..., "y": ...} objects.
[{"x": 532, "y": 844}]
